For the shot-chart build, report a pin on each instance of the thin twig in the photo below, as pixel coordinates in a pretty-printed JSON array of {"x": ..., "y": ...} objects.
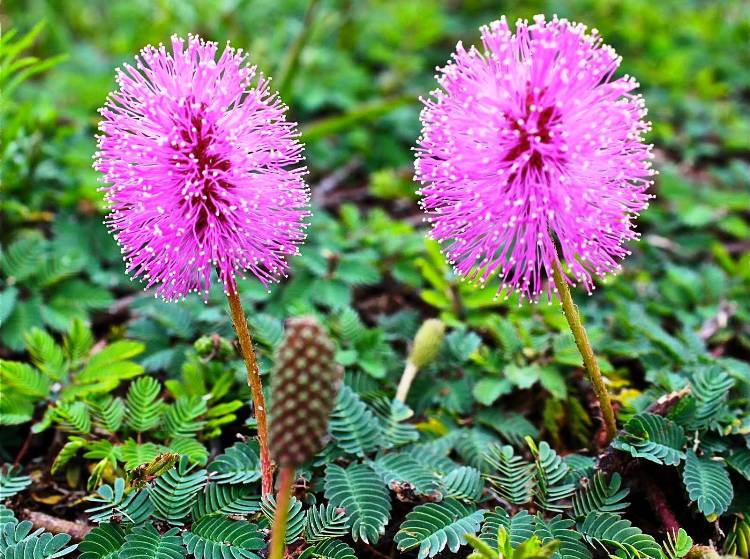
[
  {"x": 76, "y": 530},
  {"x": 658, "y": 501},
  {"x": 24, "y": 449},
  {"x": 328, "y": 183}
]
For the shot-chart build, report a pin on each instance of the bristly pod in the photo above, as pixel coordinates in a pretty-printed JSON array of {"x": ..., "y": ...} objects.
[{"x": 304, "y": 387}]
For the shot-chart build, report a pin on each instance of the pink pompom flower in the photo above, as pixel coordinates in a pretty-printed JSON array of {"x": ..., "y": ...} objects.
[
  {"x": 530, "y": 144},
  {"x": 204, "y": 171}
]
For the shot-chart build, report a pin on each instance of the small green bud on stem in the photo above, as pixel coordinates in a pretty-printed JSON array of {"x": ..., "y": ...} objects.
[{"x": 424, "y": 350}]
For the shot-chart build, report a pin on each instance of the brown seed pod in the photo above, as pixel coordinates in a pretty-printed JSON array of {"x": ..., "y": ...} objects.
[{"x": 304, "y": 387}]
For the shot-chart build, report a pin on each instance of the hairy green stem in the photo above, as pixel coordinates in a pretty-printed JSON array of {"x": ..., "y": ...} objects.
[
  {"x": 584, "y": 347},
  {"x": 410, "y": 372},
  {"x": 256, "y": 388},
  {"x": 278, "y": 531}
]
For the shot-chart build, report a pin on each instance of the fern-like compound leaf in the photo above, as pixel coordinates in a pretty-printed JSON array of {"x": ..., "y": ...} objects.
[
  {"x": 145, "y": 542},
  {"x": 599, "y": 495},
  {"x": 708, "y": 484},
  {"x": 109, "y": 413},
  {"x": 72, "y": 417},
  {"x": 192, "y": 449},
  {"x": 512, "y": 427},
  {"x": 39, "y": 546},
  {"x": 353, "y": 424},
  {"x": 324, "y": 522},
  {"x": 24, "y": 378},
  {"x": 464, "y": 483},
  {"x": 393, "y": 415},
  {"x": 434, "y": 526},
  {"x": 11, "y": 484},
  {"x": 174, "y": 493},
  {"x": 332, "y": 549},
  {"x": 739, "y": 461},
  {"x": 520, "y": 527},
  {"x": 134, "y": 454},
  {"x": 133, "y": 507},
  {"x": 472, "y": 446},
  {"x": 399, "y": 469},
  {"x": 144, "y": 412},
  {"x": 550, "y": 486},
  {"x": 611, "y": 532},
  {"x": 226, "y": 499},
  {"x": 512, "y": 477},
  {"x": 571, "y": 544},
  {"x": 654, "y": 438},
  {"x": 710, "y": 387},
  {"x": 181, "y": 418},
  {"x": 363, "y": 496},
  {"x": 493, "y": 521},
  {"x": 238, "y": 464},
  {"x": 295, "y": 521},
  {"x": 46, "y": 355},
  {"x": 214, "y": 537},
  {"x": 102, "y": 542}
]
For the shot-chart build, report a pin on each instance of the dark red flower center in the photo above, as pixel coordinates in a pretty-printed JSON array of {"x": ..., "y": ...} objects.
[
  {"x": 534, "y": 131},
  {"x": 207, "y": 169}
]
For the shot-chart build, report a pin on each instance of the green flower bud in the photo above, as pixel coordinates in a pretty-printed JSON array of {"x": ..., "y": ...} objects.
[
  {"x": 427, "y": 342},
  {"x": 204, "y": 346}
]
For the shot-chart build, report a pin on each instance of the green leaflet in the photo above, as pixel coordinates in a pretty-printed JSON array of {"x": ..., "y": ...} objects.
[
  {"x": 226, "y": 499},
  {"x": 654, "y": 438},
  {"x": 11, "y": 484},
  {"x": 102, "y": 542},
  {"x": 238, "y": 464},
  {"x": 214, "y": 536},
  {"x": 295, "y": 522},
  {"x": 708, "y": 484},
  {"x": 324, "y": 522},
  {"x": 358, "y": 491},
  {"x": 404, "y": 469},
  {"x": 145, "y": 541},
  {"x": 353, "y": 425},
  {"x": 600, "y": 495},
  {"x": 113, "y": 501},
  {"x": 174, "y": 492},
  {"x": 608, "y": 530},
  {"x": 434, "y": 526}
]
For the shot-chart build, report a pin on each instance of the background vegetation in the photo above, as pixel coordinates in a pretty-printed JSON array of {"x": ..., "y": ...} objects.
[{"x": 501, "y": 429}]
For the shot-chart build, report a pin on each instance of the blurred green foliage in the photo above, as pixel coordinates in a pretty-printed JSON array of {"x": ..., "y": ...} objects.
[{"x": 351, "y": 72}]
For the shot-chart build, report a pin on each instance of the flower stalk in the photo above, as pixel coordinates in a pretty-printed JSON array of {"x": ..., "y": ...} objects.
[
  {"x": 570, "y": 310},
  {"x": 304, "y": 390},
  {"x": 256, "y": 388},
  {"x": 278, "y": 530},
  {"x": 424, "y": 350}
]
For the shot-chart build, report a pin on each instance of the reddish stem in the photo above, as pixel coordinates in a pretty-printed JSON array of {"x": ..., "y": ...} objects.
[{"x": 256, "y": 388}]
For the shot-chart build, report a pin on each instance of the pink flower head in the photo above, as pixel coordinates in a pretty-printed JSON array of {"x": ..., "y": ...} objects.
[
  {"x": 529, "y": 144},
  {"x": 203, "y": 170}
]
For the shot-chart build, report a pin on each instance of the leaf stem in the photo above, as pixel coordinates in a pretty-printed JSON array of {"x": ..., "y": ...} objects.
[
  {"x": 570, "y": 310},
  {"x": 278, "y": 531},
  {"x": 256, "y": 388}
]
